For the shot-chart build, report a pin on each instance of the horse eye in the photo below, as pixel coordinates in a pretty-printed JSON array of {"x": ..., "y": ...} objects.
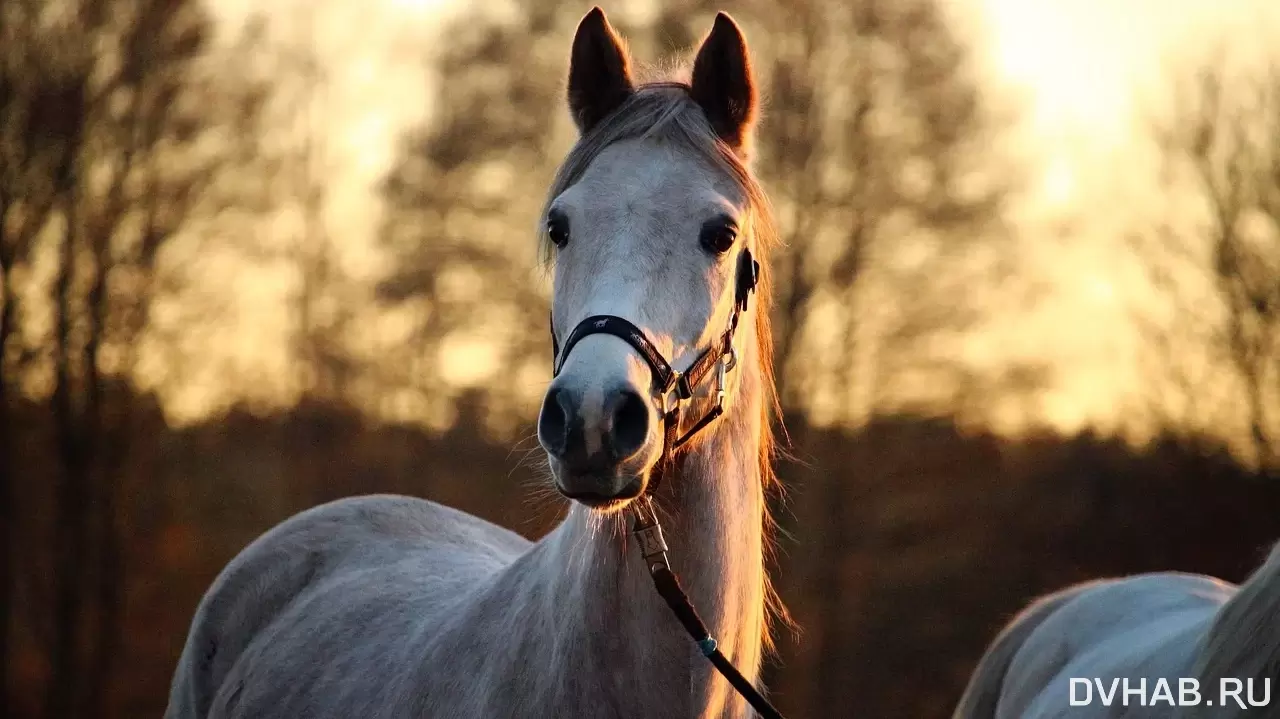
[
  {"x": 558, "y": 229},
  {"x": 718, "y": 237}
]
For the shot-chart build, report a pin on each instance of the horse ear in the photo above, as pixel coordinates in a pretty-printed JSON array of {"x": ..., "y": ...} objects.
[
  {"x": 599, "y": 71},
  {"x": 723, "y": 84}
]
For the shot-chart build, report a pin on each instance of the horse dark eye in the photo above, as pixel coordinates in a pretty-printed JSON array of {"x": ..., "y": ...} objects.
[
  {"x": 558, "y": 229},
  {"x": 718, "y": 238}
]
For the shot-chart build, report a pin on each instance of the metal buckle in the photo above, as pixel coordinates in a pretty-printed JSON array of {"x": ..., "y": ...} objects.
[
  {"x": 730, "y": 359},
  {"x": 648, "y": 533},
  {"x": 669, "y": 399},
  {"x": 722, "y": 369},
  {"x": 669, "y": 396},
  {"x": 651, "y": 542}
]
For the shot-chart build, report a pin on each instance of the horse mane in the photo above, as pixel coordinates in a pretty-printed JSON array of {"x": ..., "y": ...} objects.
[
  {"x": 666, "y": 111},
  {"x": 1244, "y": 640}
]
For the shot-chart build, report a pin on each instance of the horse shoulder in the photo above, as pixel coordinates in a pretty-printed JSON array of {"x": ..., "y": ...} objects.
[{"x": 280, "y": 566}]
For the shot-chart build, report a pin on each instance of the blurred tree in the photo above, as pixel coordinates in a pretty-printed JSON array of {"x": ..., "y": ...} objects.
[
  {"x": 463, "y": 199},
  {"x": 322, "y": 301},
  {"x": 1214, "y": 255},
  {"x": 271, "y": 218},
  {"x": 321, "y": 315},
  {"x": 23, "y": 206},
  {"x": 110, "y": 141}
]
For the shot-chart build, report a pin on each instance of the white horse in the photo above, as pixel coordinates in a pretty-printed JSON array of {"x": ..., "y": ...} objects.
[
  {"x": 387, "y": 606},
  {"x": 1151, "y": 645}
]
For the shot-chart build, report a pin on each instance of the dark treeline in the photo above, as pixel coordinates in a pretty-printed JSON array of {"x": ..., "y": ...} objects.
[{"x": 951, "y": 532}]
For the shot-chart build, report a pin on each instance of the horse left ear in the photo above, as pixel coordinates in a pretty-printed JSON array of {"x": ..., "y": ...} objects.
[
  {"x": 599, "y": 71},
  {"x": 723, "y": 84}
]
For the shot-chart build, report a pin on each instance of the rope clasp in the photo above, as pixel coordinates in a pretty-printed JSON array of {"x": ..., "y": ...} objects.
[{"x": 648, "y": 533}]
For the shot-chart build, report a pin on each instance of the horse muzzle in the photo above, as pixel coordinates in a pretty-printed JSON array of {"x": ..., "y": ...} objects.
[{"x": 597, "y": 449}]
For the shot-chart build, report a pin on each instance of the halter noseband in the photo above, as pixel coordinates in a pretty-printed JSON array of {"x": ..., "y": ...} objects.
[{"x": 670, "y": 388}]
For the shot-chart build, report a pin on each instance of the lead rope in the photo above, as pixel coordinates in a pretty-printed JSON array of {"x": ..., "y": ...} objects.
[{"x": 653, "y": 548}]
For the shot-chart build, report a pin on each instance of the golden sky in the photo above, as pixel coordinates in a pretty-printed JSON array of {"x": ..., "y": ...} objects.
[
  {"x": 1091, "y": 71},
  {"x": 1082, "y": 70}
]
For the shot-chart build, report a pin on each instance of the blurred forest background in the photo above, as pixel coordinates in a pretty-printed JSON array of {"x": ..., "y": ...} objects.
[{"x": 207, "y": 321}]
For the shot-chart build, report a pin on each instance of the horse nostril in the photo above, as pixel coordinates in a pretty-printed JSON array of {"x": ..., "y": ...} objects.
[
  {"x": 553, "y": 422},
  {"x": 630, "y": 426}
]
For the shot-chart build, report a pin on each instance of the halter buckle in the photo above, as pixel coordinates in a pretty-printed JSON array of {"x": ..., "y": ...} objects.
[
  {"x": 722, "y": 369},
  {"x": 670, "y": 395},
  {"x": 730, "y": 359}
]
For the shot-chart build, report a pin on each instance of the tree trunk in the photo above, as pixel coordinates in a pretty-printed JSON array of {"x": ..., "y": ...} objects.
[
  {"x": 834, "y": 609},
  {"x": 1258, "y": 434},
  {"x": 6, "y": 462},
  {"x": 103, "y": 491},
  {"x": 70, "y": 539},
  {"x": 7, "y": 499}
]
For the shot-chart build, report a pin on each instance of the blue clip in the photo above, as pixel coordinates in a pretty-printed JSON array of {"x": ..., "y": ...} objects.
[{"x": 707, "y": 645}]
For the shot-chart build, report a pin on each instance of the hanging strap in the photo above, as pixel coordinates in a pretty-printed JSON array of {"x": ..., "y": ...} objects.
[{"x": 653, "y": 547}]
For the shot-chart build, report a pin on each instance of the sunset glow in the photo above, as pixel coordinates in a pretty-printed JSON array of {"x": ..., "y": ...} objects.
[
  {"x": 986, "y": 294},
  {"x": 1083, "y": 68}
]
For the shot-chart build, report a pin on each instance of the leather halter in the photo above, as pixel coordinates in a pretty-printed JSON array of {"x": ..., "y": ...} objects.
[{"x": 671, "y": 389}]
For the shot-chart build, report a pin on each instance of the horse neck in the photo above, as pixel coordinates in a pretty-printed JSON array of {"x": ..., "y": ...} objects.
[
  {"x": 1243, "y": 643},
  {"x": 712, "y": 510}
]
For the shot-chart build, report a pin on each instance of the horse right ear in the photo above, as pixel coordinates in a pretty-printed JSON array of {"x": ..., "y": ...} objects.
[
  {"x": 599, "y": 71},
  {"x": 723, "y": 84}
]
